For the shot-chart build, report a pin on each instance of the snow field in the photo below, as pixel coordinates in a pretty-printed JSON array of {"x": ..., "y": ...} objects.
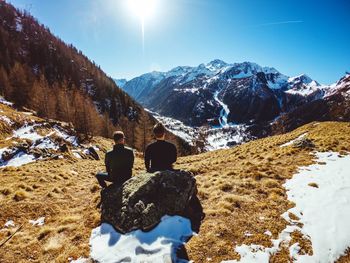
[{"x": 321, "y": 193}]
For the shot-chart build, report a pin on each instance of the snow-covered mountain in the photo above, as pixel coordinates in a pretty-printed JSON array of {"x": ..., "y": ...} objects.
[
  {"x": 334, "y": 105},
  {"x": 246, "y": 91},
  {"x": 219, "y": 98}
]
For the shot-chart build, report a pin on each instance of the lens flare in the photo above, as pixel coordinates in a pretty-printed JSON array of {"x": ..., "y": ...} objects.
[{"x": 143, "y": 9}]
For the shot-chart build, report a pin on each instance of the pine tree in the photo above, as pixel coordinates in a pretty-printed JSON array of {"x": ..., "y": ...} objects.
[
  {"x": 4, "y": 83},
  {"x": 20, "y": 85},
  {"x": 39, "y": 99}
]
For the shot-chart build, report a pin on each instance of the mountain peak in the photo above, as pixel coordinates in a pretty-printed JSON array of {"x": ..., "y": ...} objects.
[
  {"x": 217, "y": 63},
  {"x": 303, "y": 78}
]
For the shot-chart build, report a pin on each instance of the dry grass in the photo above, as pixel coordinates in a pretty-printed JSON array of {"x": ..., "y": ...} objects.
[
  {"x": 249, "y": 187},
  {"x": 240, "y": 189}
]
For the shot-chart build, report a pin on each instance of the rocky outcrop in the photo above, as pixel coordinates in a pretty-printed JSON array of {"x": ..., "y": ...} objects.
[{"x": 142, "y": 200}]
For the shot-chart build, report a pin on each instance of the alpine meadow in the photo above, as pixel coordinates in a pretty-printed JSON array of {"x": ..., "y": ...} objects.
[{"x": 152, "y": 131}]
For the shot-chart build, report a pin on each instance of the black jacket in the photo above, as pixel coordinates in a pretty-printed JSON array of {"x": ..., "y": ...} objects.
[
  {"x": 119, "y": 163},
  {"x": 160, "y": 156}
]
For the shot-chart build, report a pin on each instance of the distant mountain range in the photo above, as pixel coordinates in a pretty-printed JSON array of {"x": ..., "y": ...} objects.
[
  {"x": 226, "y": 96},
  {"x": 247, "y": 92}
]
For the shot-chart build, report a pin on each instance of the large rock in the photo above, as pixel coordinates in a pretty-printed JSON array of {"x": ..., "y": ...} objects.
[{"x": 144, "y": 199}]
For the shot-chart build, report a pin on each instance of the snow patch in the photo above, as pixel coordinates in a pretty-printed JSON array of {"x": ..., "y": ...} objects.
[
  {"x": 27, "y": 132},
  {"x": 39, "y": 222},
  {"x": 9, "y": 223},
  {"x": 19, "y": 26},
  {"x": 60, "y": 133},
  {"x": 323, "y": 212},
  {"x": 268, "y": 233},
  {"x": 6, "y": 120},
  {"x": 155, "y": 246},
  {"x": 79, "y": 260},
  {"x": 19, "y": 159},
  {"x": 5, "y": 102}
]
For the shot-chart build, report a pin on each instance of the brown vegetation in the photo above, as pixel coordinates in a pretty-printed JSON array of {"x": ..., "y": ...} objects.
[{"x": 240, "y": 189}]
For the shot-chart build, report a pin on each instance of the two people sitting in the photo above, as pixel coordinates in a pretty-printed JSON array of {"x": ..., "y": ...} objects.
[{"x": 159, "y": 156}]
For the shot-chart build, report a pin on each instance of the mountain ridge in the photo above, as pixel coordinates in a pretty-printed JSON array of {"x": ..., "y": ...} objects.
[
  {"x": 228, "y": 99},
  {"x": 153, "y": 89}
]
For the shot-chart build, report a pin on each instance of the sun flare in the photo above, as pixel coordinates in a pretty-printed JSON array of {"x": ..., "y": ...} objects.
[{"x": 142, "y": 8}]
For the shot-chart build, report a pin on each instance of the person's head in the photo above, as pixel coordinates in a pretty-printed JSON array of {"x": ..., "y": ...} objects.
[
  {"x": 159, "y": 131},
  {"x": 119, "y": 137}
]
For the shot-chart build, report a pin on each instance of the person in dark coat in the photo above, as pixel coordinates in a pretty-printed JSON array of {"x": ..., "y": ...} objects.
[
  {"x": 119, "y": 163},
  {"x": 160, "y": 155}
]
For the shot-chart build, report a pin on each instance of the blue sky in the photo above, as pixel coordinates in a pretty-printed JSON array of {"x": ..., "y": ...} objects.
[{"x": 294, "y": 36}]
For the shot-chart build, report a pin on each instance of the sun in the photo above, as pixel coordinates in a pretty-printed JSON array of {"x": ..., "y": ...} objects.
[{"x": 142, "y": 8}]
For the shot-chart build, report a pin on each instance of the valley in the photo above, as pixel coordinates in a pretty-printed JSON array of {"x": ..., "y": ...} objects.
[{"x": 219, "y": 105}]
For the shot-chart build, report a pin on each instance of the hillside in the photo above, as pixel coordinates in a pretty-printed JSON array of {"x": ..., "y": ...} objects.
[
  {"x": 41, "y": 72},
  {"x": 241, "y": 190}
]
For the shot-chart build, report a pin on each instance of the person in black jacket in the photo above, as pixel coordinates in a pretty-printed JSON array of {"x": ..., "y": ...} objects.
[
  {"x": 160, "y": 155},
  {"x": 119, "y": 163}
]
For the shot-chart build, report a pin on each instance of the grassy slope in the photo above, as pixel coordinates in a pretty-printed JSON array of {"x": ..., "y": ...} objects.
[{"x": 236, "y": 188}]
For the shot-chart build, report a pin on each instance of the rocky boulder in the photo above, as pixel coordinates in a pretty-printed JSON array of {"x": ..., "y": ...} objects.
[
  {"x": 142, "y": 200},
  {"x": 304, "y": 143}
]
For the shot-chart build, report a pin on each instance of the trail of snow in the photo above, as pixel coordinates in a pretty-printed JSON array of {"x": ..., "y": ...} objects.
[
  {"x": 156, "y": 246},
  {"x": 224, "y": 111},
  {"x": 323, "y": 212}
]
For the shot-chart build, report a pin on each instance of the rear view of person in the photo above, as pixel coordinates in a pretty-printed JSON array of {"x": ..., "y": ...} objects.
[
  {"x": 119, "y": 163},
  {"x": 160, "y": 155}
]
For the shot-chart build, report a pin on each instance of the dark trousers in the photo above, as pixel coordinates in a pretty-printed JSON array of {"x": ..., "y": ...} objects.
[{"x": 102, "y": 178}]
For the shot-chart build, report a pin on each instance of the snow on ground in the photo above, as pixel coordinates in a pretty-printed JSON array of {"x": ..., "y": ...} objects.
[
  {"x": 61, "y": 133},
  {"x": 39, "y": 222},
  {"x": 19, "y": 159},
  {"x": 9, "y": 223},
  {"x": 46, "y": 143},
  {"x": 189, "y": 134},
  {"x": 6, "y": 119},
  {"x": 224, "y": 138},
  {"x": 5, "y": 102},
  {"x": 41, "y": 142},
  {"x": 156, "y": 246},
  {"x": 323, "y": 212},
  {"x": 214, "y": 138},
  {"x": 79, "y": 260},
  {"x": 306, "y": 90},
  {"x": 295, "y": 140},
  {"x": 27, "y": 132}
]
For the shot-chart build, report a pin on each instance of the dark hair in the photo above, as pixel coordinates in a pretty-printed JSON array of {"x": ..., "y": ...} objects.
[
  {"x": 118, "y": 135},
  {"x": 159, "y": 130}
]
